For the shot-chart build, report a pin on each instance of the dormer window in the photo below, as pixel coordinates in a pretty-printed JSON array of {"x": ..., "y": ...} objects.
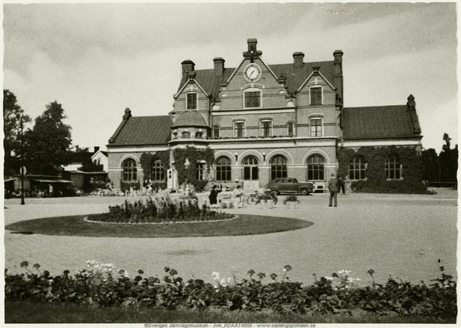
[
  {"x": 199, "y": 135},
  {"x": 315, "y": 95},
  {"x": 252, "y": 98},
  {"x": 186, "y": 134},
  {"x": 191, "y": 100}
]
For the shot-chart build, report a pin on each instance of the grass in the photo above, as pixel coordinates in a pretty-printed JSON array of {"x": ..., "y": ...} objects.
[
  {"x": 76, "y": 226},
  {"x": 25, "y": 312}
]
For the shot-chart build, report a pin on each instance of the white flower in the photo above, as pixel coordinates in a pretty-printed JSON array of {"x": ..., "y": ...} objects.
[{"x": 329, "y": 278}]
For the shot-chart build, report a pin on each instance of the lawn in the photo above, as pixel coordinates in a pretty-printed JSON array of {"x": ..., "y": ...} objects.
[{"x": 77, "y": 226}]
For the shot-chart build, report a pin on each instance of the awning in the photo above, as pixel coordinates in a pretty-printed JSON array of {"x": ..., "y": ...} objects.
[{"x": 51, "y": 181}]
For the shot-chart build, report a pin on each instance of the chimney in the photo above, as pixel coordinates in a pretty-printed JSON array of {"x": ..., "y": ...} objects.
[
  {"x": 298, "y": 59},
  {"x": 188, "y": 66},
  {"x": 411, "y": 104},
  {"x": 96, "y": 148},
  {"x": 218, "y": 66},
  {"x": 252, "y": 45},
  {"x": 338, "y": 76}
]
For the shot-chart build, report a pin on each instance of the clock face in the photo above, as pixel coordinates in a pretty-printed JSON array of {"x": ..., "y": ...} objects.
[{"x": 252, "y": 72}]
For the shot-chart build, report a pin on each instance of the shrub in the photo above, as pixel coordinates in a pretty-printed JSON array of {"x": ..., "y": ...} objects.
[{"x": 102, "y": 285}]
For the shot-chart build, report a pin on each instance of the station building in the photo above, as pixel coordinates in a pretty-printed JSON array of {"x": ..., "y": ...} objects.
[{"x": 264, "y": 121}]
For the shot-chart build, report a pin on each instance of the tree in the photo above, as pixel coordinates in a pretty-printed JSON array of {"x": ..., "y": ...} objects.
[
  {"x": 79, "y": 149},
  {"x": 12, "y": 114},
  {"x": 430, "y": 161},
  {"x": 48, "y": 143}
]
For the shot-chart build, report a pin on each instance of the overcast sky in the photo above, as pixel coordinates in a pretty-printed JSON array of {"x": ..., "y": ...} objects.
[{"x": 98, "y": 59}]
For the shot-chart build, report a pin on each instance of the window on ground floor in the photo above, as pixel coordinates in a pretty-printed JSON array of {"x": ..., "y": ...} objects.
[
  {"x": 393, "y": 168},
  {"x": 315, "y": 168},
  {"x": 357, "y": 167},
  {"x": 278, "y": 167},
  {"x": 223, "y": 169},
  {"x": 129, "y": 170},
  {"x": 250, "y": 168}
]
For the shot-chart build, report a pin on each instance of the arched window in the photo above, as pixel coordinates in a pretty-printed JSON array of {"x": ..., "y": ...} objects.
[
  {"x": 278, "y": 167},
  {"x": 129, "y": 170},
  {"x": 223, "y": 169},
  {"x": 357, "y": 167},
  {"x": 315, "y": 168},
  {"x": 393, "y": 168},
  {"x": 158, "y": 171},
  {"x": 250, "y": 168}
]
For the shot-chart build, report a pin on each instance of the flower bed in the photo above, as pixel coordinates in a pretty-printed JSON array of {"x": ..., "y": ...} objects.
[
  {"x": 102, "y": 285},
  {"x": 160, "y": 210}
]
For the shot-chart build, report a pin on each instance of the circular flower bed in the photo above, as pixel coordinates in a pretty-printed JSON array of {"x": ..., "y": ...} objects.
[{"x": 160, "y": 210}]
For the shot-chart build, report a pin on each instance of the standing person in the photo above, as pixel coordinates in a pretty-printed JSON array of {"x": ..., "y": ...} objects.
[
  {"x": 341, "y": 185},
  {"x": 50, "y": 189},
  {"x": 213, "y": 195},
  {"x": 238, "y": 193},
  {"x": 333, "y": 189}
]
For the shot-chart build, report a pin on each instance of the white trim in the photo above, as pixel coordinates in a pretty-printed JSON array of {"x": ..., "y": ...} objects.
[
  {"x": 271, "y": 131},
  {"x": 321, "y": 123},
  {"x": 382, "y": 143},
  {"x": 239, "y": 112},
  {"x": 175, "y": 96},
  {"x": 245, "y": 59},
  {"x": 252, "y": 65},
  {"x": 315, "y": 114},
  {"x": 317, "y": 152},
  {"x": 244, "y": 128},
  {"x": 294, "y": 129},
  {"x": 259, "y": 145},
  {"x": 187, "y": 102},
  {"x": 308, "y": 78},
  {"x": 129, "y": 156},
  {"x": 310, "y": 94},
  {"x": 268, "y": 156},
  {"x": 253, "y": 90}
]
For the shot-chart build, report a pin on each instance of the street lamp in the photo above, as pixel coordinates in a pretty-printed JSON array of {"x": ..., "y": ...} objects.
[{"x": 23, "y": 169}]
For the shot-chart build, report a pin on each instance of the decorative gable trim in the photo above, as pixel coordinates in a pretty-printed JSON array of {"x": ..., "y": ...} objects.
[
  {"x": 308, "y": 78},
  {"x": 241, "y": 63},
  {"x": 186, "y": 84}
]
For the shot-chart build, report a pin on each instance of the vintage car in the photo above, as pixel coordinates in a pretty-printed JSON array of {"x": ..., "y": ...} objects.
[{"x": 290, "y": 185}]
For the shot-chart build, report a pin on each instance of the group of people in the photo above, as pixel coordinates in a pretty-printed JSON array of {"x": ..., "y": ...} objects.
[
  {"x": 335, "y": 185},
  {"x": 216, "y": 189}
]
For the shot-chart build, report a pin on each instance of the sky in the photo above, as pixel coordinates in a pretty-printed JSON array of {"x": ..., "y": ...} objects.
[{"x": 98, "y": 59}]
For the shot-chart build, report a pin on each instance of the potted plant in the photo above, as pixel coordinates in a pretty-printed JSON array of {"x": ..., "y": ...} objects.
[{"x": 291, "y": 201}]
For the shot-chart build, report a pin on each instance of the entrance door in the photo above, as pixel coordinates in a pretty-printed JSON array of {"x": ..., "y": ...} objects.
[{"x": 250, "y": 172}]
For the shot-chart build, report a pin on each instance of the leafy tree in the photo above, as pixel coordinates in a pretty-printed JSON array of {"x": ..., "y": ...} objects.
[
  {"x": 430, "y": 161},
  {"x": 91, "y": 166},
  {"x": 12, "y": 114},
  {"x": 48, "y": 143}
]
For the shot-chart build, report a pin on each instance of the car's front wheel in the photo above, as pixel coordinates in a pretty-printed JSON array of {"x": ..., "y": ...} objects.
[{"x": 304, "y": 191}]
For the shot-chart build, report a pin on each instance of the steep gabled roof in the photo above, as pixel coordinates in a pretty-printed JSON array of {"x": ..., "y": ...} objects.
[
  {"x": 295, "y": 76},
  {"x": 378, "y": 122},
  {"x": 143, "y": 130}
]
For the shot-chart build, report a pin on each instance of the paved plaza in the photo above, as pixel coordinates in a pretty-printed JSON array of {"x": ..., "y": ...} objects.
[{"x": 399, "y": 235}]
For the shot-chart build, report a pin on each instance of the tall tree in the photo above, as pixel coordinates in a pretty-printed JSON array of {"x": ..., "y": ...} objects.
[
  {"x": 48, "y": 143},
  {"x": 91, "y": 166},
  {"x": 12, "y": 114}
]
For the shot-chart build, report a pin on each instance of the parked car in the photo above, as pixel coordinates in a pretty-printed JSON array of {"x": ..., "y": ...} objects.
[{"x": 290, "y": 185}]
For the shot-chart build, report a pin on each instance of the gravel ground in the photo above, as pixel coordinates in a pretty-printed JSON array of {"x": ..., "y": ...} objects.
[{"x": 399, "y": 235}]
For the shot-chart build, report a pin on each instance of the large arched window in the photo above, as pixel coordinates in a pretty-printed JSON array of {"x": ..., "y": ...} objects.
[
  {"x": 158, "y": 171},
  {"x": 393, "y": 168},
  {"x": 223, "y": 169},
  {"x": 357, "y": 167},
  {"x": 315, "y": 168},
  {"x": 129, "y": 170},
  {"x": 250, "y": 168},
  {"x": 278, "y": 167}
]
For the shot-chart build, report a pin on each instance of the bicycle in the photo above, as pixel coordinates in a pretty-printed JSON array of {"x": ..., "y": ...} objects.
[{"x": 257, "y": 197}]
